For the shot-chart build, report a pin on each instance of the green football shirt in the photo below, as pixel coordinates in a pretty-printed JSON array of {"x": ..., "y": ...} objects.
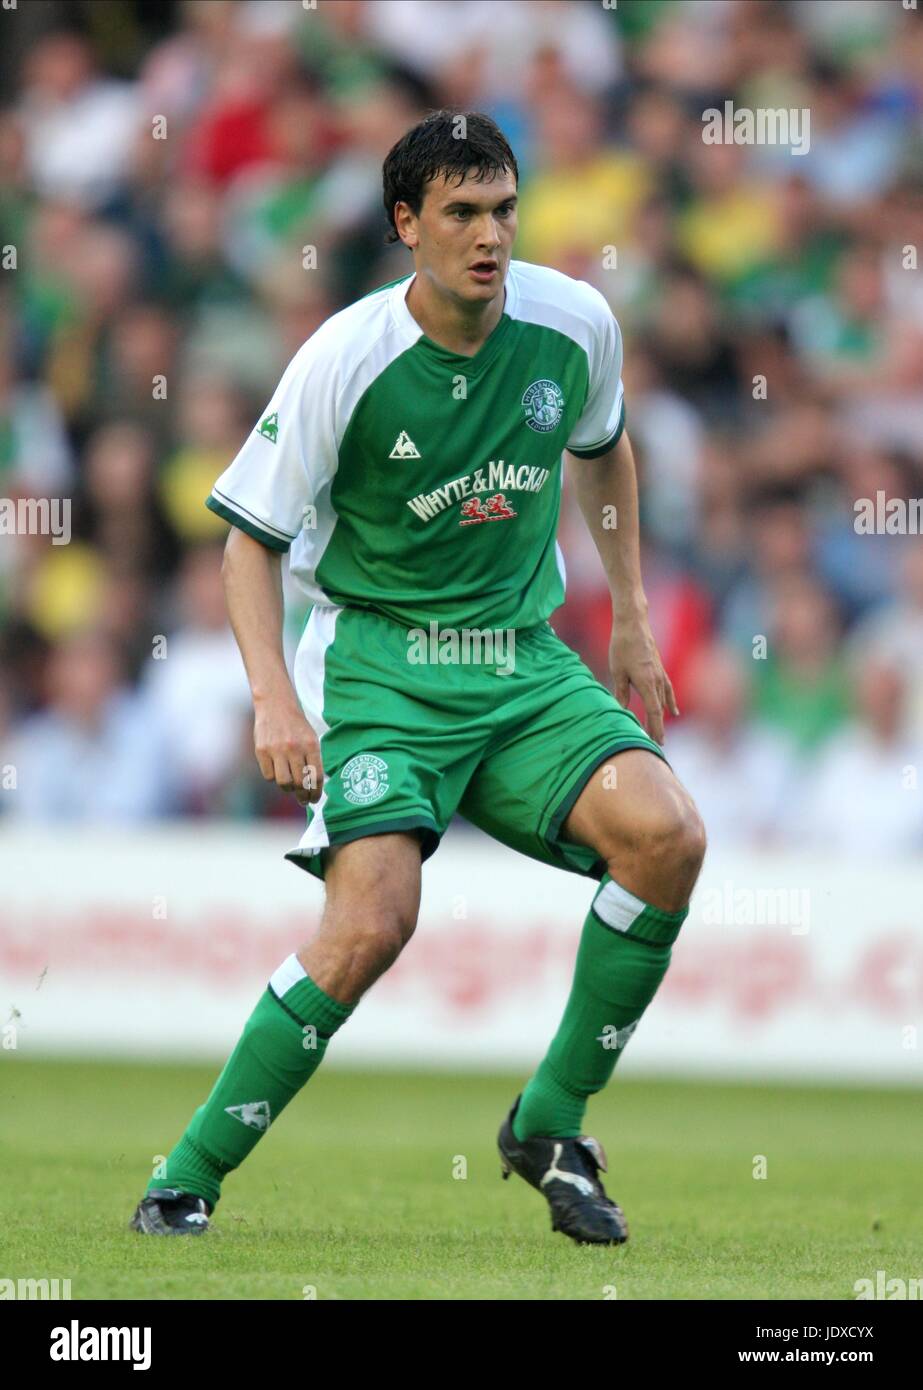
[{"x": 423, "y": 484}]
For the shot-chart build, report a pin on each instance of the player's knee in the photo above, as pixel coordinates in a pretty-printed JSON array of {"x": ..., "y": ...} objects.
[
  {"x": 693, "y": 842},
  {"x": 380, "y": 941},
  {"x": 670, "y": 842},
  {"x": 379, "y": 932},
  {"x": 676, "y": 840}
]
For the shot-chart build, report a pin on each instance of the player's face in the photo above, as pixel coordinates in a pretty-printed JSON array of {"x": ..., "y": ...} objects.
[{"x": 463, "y": 237}]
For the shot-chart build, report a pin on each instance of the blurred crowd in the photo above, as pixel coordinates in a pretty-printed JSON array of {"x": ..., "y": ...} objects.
[{"x": 160, "y": 178}]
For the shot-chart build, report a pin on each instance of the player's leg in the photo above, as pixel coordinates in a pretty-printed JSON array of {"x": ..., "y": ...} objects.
[
  {"x": 637, "y": 815},
  {"x": 373, "y": 900},
  {"x": 373, "y": 897},
  {"x": 642, "y": 823},
  {"x": 572, "y": 779},
  {"x": 397, "y": 748}
]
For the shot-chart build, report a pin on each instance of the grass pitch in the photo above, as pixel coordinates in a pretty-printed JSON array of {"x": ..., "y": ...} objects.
[{"x": 352, "y": 1194}]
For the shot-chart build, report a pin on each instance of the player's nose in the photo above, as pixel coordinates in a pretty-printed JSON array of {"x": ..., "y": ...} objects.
[{"x": 489, "y": 238}]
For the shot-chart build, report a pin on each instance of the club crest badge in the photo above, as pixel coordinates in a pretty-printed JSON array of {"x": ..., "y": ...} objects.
[
  {"x": 543, "y": 403},
  {"x": 365, "y": 779}
]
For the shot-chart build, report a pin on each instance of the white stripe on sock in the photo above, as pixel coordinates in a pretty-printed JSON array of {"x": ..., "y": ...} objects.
[
  {"x": 289, "y": 973},
  {"x": 616, "y": 906}
]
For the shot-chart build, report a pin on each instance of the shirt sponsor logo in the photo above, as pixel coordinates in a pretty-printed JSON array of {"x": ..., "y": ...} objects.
[
  {"x": 498, "y": 477},
  {"x": 494, "y": 509}
]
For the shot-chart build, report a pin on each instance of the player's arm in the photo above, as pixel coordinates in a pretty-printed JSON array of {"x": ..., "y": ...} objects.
[
  {"x": 266, "y": 493},
  {"x": 286, "y": 746},
  {"x": 606, "y": 489}
]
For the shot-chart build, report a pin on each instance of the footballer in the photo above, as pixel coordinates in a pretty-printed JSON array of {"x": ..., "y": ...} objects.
[{"x": 410, "y": 465}]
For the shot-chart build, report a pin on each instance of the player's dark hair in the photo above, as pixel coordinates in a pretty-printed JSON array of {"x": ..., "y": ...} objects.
[{"x": 449, "y": 143}]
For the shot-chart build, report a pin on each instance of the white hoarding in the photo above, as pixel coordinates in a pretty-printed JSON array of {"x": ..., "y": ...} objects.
[{"x": 156, "y": 943}]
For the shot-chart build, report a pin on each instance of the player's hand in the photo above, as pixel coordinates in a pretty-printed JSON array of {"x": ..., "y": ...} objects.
[
  {"x": 288, "y": 751},
  {"x": 635, "y": 661}
]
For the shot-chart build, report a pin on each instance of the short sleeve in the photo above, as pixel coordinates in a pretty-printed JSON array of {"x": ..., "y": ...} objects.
[
  {"x": 603, "y": 417},
  {"x": 287, "y": 457}
]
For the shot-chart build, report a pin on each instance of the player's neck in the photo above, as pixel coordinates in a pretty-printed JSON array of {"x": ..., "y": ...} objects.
[{"x": 461, "y": 328}]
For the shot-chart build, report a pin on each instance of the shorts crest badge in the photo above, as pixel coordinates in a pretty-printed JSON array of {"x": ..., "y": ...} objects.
[{"x": 365, "y": 779}]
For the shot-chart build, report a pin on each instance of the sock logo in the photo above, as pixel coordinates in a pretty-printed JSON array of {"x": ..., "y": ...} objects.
[{"x": 254, "y": 1113}]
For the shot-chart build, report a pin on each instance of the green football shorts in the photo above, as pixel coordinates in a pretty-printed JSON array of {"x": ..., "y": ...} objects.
[{"x": 508, "y": 737}]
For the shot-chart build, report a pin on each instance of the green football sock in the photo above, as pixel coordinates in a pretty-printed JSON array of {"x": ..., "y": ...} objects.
[
  {"x": 282, "y": 1045},
  {"x": 623, "y": 956}
]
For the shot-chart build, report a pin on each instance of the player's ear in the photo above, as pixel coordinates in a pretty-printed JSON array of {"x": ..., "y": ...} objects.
[{"x": 404, "y": 221}]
